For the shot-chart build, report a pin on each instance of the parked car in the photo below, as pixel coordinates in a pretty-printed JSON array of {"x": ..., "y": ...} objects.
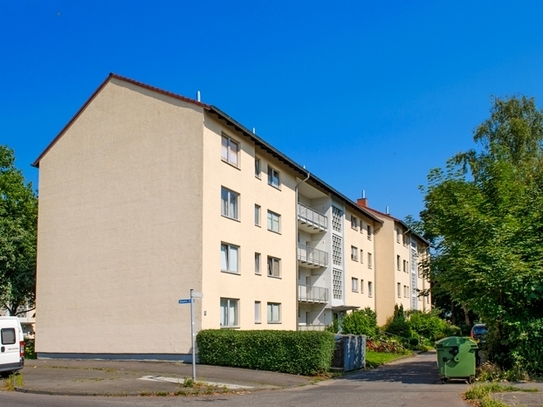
[
  {"x": 478, "y": 332},
  {"x": 12, "y": 346}
]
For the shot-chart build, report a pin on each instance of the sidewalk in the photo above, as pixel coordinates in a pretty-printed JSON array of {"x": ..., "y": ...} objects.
[{"x": 133, "y": 378}]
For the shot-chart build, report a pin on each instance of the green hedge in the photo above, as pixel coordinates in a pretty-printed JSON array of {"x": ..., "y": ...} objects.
[{"x": 297, "y": 352}]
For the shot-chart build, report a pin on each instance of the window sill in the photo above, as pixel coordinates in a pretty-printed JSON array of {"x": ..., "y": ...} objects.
[
  {"x": 273, "y": 231},
  {"x": 274, "y": 323},
  {"x": 231, "y": 164},
  {"x": 234, "y": 273},
  {"x": 278, "y": 187},
  {"x": 229, "y": 217},
  {"x": 276, "y": 277}
]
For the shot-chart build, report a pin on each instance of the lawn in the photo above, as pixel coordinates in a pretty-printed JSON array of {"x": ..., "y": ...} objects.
[{"x": 374, "y": 359}]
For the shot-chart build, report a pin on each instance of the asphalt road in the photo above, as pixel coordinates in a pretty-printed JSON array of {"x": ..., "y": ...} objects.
[{"x": 411, "y": 382}]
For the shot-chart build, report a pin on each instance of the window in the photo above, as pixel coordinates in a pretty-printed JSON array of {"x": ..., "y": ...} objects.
[
  {"x": 7, "y": 336},
  {"x": 369, "y": 232},
  {"x": 229, "y": 312},
  {"x": 361, "y": 256},
  {"x": 229, "y": 151},
  {"x": 273, "y": 177},
  {"x": 229, "y": 203},
  {"x": 354, "y": 284},
  {"x": 273, "y": 221},
  {"x": 257, "y": 215},
  {"x": 398, "y": 262},
  {"x": 361, "y": 286},
  {"x": 274, "y": 267},
  {"x": 398, "y": 233},
  {"x": 274, "y": 313},
  {"x": 354, "y": 253},
  {"x": 257, "y": 167},
  {"x": 405, "y": 266},
  {"x": 370, "y": 265},
  {"x": 354, "y": 223},
  {"x": 257, "y": 312},
  {"x": 257, "y": 263},
  {"x": 399, "y": 290},
  {"x": 405, "y": 240},
  {"x": 370, "y": 289},
  {"x": 229, "y": 258}
]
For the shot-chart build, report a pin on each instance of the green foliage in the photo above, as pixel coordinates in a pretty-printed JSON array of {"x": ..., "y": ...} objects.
[
  {"x": 18, "y": 223},
  {"x": 399, "y": 325},
  {"x": 334, "y": 326},
  {"x": 360, "y": 322},
  {"x": 484, "y": 215},
  {"x": 430, "y": 326},
  {"x": 297, "y": 352},
  {"x": 30, "y": 352}
]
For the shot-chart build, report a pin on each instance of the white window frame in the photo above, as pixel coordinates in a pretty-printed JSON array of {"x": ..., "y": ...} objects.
[
  {"x": 274, "y": 222},
  {"x": 354, "y": 253},
  {"x": 369, "y": 232},
  {"x": 274, "y": 312},
  {"x": 274, "y": 267},
  {"x": 258, "y": 312},
  {"x": 399, "y": 290},
  {"x": 258, "y": 167},
  {"x": 370, "y": 289},
  {"x": 398, "y": 262},
  {"x": 361, "y": 286},
  {"x": 354, "y": 284},
  {"x": 229, "y": 312},
  {"x": 362, "y": 256},
  {"x": 257, "y": 263},
  {"x": 370, "y": 265},
  {"x": 229, "y": 258},
  {"x": 257, "y": 215},
  {"x": 354, "y": 222},
  {"x": 229, "y": 203},
  {"x": 230, "y": 150},
  {"x": 274, "y": 177}
]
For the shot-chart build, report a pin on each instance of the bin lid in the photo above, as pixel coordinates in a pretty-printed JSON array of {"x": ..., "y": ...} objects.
[{"x": 456, "y": 341}]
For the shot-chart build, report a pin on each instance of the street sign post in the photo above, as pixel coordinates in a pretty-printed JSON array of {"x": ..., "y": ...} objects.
[{"x": 193, "y": 296}]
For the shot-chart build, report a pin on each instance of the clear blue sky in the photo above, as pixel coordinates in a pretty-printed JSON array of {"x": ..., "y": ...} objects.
[{"x": 366, "y": 94}]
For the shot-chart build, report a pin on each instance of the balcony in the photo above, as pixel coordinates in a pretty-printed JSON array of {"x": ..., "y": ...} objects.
[
  {"x": 312, "y": 294},
  {"x": 310, "y": 257},
  {"x": 310, "y": 220}
]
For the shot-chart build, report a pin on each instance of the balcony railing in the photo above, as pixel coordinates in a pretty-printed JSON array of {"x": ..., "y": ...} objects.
[
  {"x": 312, "y": 219},
  {"x": 309, "y": 293},
  {"x": 311, "y": 256}
]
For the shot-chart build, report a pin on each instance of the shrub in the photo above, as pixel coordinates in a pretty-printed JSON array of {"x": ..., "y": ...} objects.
[
  {"x": 297, "y": 352},
  {"x": 360, "y": 322}
]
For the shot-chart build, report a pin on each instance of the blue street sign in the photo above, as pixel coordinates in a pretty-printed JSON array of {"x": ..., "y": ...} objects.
[{"x": 184, "y": 301}]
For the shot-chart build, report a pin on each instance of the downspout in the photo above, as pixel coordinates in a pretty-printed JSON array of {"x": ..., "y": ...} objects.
[{"x": 296, "y": 242}]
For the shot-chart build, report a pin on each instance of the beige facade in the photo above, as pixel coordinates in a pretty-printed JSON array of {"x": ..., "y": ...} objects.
[
  {"x": 145, "y": 195},
  {"x": 400, "y": 258}
]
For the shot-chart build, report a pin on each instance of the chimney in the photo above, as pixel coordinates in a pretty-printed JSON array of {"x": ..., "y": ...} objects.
[{"x": 362, "y": 202}]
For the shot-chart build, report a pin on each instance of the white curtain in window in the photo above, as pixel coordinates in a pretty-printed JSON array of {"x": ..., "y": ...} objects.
[
  {"x": 224, "y": 257},
  {"x": 232, "y": 312},
  {"x": 233, "y": 152},
  {"x": 233, "y": 259},
  {"x": 224, "y": 148},
  {"x": 233, "y": 210}
]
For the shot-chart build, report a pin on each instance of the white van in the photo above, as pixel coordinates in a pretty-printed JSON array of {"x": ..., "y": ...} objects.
[{"x": 12, "y": 345}]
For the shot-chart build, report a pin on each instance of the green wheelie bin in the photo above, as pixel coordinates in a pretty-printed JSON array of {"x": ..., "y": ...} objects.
[{"x": 456, "y": 358}]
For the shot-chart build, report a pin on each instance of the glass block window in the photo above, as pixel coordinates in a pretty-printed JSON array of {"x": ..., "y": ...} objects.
[
  {"x": 336, "y": 250},
  {"x": 338, "y": 284},
  {"x": 337, "y": 215}
]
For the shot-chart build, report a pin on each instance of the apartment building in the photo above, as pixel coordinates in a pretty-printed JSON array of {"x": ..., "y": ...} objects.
[
  {"x": 400, "y": 256},
  {"x": 146, "y": 194}
]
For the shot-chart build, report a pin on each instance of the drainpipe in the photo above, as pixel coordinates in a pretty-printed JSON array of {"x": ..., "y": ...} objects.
[{"x": 296, "y": 243}]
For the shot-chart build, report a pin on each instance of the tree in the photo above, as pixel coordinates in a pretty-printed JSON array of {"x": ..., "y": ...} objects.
[
  {"x": 18, "y": 224},
  {"x": 484, "y": 214}
]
